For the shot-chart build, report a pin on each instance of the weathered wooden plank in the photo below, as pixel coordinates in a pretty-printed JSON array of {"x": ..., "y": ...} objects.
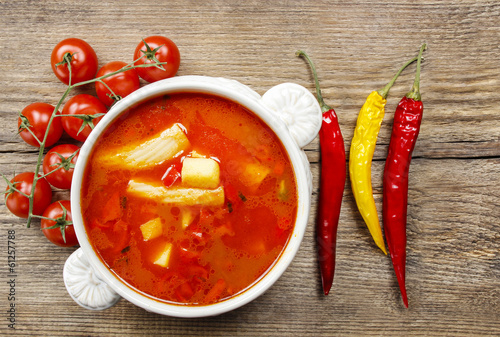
[
  {"x": 458, "y": 66},
  {"x": 452, "y": 273}
]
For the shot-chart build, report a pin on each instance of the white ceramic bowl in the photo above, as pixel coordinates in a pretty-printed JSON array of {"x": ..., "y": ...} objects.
[{"x": 288, "y": 109}]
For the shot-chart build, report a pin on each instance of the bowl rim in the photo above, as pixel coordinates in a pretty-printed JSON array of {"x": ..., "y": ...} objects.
[{"x": 214, "y": 86}]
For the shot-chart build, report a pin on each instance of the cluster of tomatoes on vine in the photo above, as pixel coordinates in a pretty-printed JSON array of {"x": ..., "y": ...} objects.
[{"x": 75, "y": 63}]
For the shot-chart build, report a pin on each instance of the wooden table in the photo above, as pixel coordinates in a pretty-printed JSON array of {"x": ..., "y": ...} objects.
[{"x": 453, "y": 264}]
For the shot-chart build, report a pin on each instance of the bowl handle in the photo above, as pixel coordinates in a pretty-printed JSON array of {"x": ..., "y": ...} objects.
[
  {"x": 297, "y": 107},
  {"x": 85, "y": 285}
]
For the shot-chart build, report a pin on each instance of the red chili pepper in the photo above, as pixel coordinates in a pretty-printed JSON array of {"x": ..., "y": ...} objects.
[
  {"x": 404, "y": 135},
  {"x": 333, "y": 175}
]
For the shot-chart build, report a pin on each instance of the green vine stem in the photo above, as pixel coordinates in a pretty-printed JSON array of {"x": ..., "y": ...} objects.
[
  {"x": 64, "y": 164},
  {"x": 25, "y": 125},
  {"x": 54, "y": 114},
  {"x": 385, "y": 91},
  {"x": 42, "y": 148},
  {"x": 12, "y": 187},
  {"x": 112, "y": 94},
  {"x": 60, "y": 222}
]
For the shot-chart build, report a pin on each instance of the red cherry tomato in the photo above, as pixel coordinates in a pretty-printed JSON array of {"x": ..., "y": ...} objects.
[
  {"x": 83, "y": 61},
  {"x": 38, "y": 115},
  {"x": 18, "y": 204},
  {"x": 168, "y": 52},
  {"x": 63, "y": 176},
  {"x": 122, "y": 84},
  {"x": 62, "y": 224},
  {"x": 82, "y": 104}
]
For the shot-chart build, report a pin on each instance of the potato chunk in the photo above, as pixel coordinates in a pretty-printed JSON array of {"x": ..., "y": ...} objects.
[
  {"x": 164, "y": 257},
  {"x": 187, "y": 217},
  {"x": 151, "y": 229},
  {"x": 200, "y": 173},
  {"x": 254, "y": 174}
]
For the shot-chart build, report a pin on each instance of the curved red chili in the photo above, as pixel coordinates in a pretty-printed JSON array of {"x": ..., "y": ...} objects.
[
  {"x": 405, "y": 129},
  {"x": 333, "y": 175}
]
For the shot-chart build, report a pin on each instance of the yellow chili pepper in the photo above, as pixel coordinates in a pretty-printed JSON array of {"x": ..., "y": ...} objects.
[{"x": 361, "y": 155}]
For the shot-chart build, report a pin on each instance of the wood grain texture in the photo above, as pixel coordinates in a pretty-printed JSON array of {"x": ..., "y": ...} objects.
[{"x": 453, "y": 271}]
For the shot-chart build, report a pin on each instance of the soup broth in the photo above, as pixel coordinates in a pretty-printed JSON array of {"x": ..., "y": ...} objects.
[{"x": 189, "y": 198}]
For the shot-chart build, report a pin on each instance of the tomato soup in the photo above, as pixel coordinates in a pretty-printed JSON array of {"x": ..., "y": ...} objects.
[{"x": 189, "y": 198}]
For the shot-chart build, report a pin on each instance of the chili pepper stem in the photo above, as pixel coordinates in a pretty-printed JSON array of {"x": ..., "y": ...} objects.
[
  {"x": 415, "y": 90},
  {"x": 322, "y": 104},
  {"x": 385, "y": 91}
]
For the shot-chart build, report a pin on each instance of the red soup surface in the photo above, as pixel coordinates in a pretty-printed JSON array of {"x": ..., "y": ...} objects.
[{"x": 189, "y": 198}]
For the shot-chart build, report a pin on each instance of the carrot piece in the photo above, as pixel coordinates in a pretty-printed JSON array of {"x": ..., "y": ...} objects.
[
  {"x": 187, "y": 256},
  {"x": 184, "y": 292},
  {"x": 279, "y": 168},
  {"x": 96, "y": 223},
  {"x": 121, "y": 232},
  {"x": 99, "y": 238},
  {"x": 263, "y": 153},
  {"x": 197, "y": 271},
  {"x": 112, "y": 210},
  {"x": 215, "y": 293},
  {"x": 225, "y": 229}
]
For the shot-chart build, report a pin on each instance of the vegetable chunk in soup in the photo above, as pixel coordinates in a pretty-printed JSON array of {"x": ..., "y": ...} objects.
[{"x": 189, "y": 198}]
